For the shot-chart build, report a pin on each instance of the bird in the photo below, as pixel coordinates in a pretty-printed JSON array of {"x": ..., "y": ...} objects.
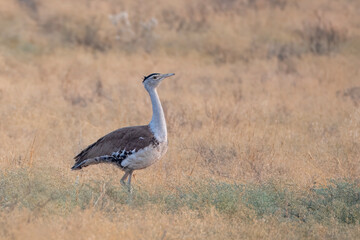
[{"x": 132, "y": 148}]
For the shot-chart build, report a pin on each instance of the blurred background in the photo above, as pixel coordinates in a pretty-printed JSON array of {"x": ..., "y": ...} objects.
[{"x": 264, "y": 105}]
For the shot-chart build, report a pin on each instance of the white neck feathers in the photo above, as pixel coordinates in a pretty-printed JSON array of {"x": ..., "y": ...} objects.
[{"x": 158, "y": 123}]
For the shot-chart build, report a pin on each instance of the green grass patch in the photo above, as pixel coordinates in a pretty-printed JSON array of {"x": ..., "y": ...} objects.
[{"x": 339, "y": 200}]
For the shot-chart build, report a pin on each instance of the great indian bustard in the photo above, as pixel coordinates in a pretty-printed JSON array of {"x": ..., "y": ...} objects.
[{"x": 132, "y": 148}]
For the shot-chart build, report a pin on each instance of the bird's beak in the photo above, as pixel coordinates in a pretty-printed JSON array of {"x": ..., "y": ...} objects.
[{"x": 168, "y": 75}]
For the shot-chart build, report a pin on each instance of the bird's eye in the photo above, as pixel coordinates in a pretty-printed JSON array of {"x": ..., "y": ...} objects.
[{"x": 155, "y": 77}]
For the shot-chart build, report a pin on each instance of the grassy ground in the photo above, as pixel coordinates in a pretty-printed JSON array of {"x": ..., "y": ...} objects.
[{"x": 263, "y": 118}]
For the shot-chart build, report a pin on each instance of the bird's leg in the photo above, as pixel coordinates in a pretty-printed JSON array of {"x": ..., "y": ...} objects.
[
  {"x": 122, "y": 181},
  {"x": 129, "y": 180}
]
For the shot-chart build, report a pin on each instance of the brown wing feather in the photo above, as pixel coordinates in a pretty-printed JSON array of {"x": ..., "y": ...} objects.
[{"x": 128, "y": 138}]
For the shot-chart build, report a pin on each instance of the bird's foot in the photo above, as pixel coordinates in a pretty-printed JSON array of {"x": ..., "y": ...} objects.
[{"x": 125, "y": 185}]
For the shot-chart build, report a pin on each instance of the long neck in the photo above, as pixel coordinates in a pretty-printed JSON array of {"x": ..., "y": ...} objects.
[{"x": 158, "y": 123}]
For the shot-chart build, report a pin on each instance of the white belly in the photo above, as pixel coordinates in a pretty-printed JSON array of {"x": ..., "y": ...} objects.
[{"x": 145, "y": 157}]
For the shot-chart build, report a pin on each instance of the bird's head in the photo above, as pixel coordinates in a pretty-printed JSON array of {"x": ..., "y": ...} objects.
[{"x": 153, "y": 80}]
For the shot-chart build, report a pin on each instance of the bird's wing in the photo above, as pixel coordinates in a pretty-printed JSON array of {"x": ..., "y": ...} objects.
[{"x": 128, "y": 139}]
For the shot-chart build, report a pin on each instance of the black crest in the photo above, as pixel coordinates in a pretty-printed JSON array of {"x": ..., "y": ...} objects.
[{"x": 146, "y": 77}]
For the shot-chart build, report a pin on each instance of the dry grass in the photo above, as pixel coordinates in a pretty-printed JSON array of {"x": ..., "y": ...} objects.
[{"x": 263, "y": 118}]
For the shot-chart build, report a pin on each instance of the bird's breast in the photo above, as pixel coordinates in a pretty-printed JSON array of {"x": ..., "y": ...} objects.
[{"x": 145, "y": 157}]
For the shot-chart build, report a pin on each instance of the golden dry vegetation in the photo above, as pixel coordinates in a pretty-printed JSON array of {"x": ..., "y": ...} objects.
[{"x": 263, "y": 118}]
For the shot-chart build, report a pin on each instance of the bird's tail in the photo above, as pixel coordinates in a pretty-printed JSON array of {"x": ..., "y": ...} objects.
[{"x": 87, "y": 162}]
